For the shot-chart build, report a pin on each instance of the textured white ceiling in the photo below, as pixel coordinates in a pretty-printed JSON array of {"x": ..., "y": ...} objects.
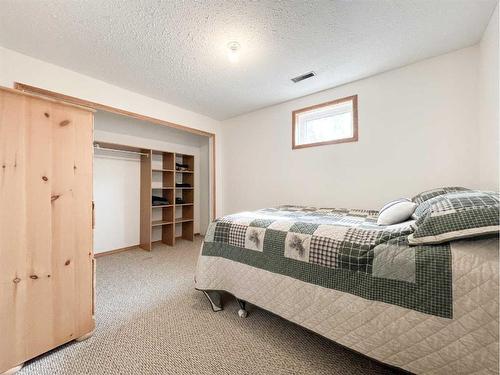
[{"x": 176, "y": 50}]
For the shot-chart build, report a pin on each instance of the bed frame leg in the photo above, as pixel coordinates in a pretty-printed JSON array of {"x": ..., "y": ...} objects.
[
  {"x": 215, "y": 300},
  {"x": 242, "y": 312}
]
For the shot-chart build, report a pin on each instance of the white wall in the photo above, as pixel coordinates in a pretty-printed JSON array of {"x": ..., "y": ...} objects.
[
  {"x": 417, "y": 130},
  {"x": 488, "y": 105},
  {"x": 16, "y": 67},
  {"x": 116, "y": 197},
  {"x": 117, "y": 178}
]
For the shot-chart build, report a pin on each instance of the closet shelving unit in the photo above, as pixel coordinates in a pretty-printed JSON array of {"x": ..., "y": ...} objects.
[
  {"x": 174, "y": 217},
  {"x": 159, "y": 177}
]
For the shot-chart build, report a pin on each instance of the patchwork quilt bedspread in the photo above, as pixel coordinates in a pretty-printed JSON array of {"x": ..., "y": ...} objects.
[{"x": 335, "y": 271}]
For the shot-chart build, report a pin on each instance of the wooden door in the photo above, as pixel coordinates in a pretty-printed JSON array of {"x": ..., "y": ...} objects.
[{"x": 46, "y": 276}]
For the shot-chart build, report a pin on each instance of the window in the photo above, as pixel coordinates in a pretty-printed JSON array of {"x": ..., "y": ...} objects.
[{"x": 327, "y": 123}]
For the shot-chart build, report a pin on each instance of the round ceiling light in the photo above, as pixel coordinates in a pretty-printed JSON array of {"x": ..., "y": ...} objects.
[{"x": 233, "y": 53}]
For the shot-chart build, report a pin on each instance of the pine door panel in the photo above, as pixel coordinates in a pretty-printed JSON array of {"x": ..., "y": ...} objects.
[{"x": 45, "y": 226}]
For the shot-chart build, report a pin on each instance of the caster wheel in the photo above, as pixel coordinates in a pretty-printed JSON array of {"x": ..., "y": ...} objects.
[{"x": 242, "y": 313}]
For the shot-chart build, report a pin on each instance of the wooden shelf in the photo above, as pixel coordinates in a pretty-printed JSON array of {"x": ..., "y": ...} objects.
[
  {"x": 184, "y": 204},
  {"x": 156, "y": 223},
  {"x": 161, "y": 188},
  {"x": 163, "y": 170},
  {"x": 183, "y": 220},
  {"x": 176, "y": 171},
  {"x": 162, "y": 206},
  {"x": 184, "y": 188}
]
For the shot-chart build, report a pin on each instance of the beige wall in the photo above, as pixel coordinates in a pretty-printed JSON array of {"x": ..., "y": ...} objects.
[
  {"x": 488, "y": 105},
  {"x": 417, "y": 130}
]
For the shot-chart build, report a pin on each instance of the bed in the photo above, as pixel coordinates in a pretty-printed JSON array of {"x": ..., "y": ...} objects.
[{"x": 427, "y": 309}]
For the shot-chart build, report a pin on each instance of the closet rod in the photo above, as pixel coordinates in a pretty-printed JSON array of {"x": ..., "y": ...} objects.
[{"x": 96, "y": 146}]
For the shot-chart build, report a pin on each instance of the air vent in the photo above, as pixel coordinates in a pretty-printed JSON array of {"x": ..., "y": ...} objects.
[{"x": 303, "y": 77}]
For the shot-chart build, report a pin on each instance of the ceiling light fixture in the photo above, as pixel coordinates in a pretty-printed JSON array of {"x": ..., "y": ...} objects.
[{"x": 233, "y": 53}]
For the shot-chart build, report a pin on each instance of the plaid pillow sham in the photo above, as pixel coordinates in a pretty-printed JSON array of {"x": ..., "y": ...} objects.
[
  {"x": 428, "y": 194},
  {"x": 456, "y": 215}
]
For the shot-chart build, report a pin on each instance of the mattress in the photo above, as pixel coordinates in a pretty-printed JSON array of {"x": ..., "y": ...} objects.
[{"x": 426, "y": 309}]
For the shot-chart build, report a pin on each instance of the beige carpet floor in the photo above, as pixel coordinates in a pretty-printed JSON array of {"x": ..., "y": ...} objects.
[{"x": 150, "y": 320}]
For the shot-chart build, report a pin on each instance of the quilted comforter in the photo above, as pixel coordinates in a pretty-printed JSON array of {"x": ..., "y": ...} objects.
[{"x": 429, "y": 309}]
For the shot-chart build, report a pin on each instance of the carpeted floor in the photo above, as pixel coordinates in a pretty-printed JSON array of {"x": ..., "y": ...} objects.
[{"x": 150, "y": 320}]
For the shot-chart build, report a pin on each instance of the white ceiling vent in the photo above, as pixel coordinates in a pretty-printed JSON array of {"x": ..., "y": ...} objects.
[{"x": 303, "y": 77}]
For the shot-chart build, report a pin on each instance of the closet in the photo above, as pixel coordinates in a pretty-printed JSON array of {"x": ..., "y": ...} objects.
[
  {"x": 46, "y": 217},
  {"x": 167, "y": 196}
]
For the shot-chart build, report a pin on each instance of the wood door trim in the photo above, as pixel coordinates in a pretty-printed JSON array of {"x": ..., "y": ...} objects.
[
  {"x": 89, "y": 105},
  {"x": 354, "y": 138},
  {"x": 98, "y": 106},
  {"x": 213, "y": 216},
  {"x": 50, "y": 99}
]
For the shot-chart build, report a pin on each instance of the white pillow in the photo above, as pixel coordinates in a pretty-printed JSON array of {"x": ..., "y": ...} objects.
[{"x": 396, "y": 212}]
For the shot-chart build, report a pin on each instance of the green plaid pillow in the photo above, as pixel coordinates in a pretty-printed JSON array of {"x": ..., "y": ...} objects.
[
  {"x": 456, "y": 215},
  {"x": 428, "y": 194},
  {"x": 423, "y": 207}
]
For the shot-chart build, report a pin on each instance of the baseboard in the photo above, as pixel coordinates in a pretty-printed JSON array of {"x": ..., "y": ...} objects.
[
  {"x": 109, "y": 252},
  {"x": 104, "y": 253}
]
